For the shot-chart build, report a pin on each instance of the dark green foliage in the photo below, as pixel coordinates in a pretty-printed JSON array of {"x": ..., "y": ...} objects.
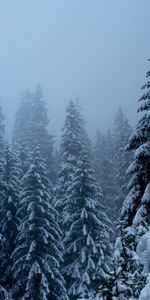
[
  {"x": 37, "y": 256},
  {"x": 9, "y": 197},
  {"x": 70, "y": 149},
  {"x": 135, "y": 220},
  {"x": 104, "y": 170},
  {"x": 78, "y": 199},
  {"x": 122, "y": 159},
  {"x": 111, "y": 161},
  {"x": 87, "y": 246}
]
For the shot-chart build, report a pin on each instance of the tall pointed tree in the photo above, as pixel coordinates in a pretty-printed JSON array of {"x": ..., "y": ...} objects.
[
  {"x": 122, "y": 159},
  {"x": 78, "y": 199},
  {"x": 99, "y": 158},
  {"x": 70, "y": 148},
  {"x": 9, "y": 198},
  {"x": 104, "y": 170},
  {"x": 31, "y": 129},
  {"x": 87, "y": 253},
  {"x": 37, "y": 255},
  {"x": 111, "y": 162},
  {"x": 135, "y": 216},
  {"x": 39, "y": 134}
]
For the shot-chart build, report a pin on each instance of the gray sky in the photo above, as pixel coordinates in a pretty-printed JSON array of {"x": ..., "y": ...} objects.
[{"x": 94, "y": 49}]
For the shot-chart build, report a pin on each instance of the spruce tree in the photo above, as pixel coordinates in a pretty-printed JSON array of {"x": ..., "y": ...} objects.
[
  {"x": 39, "y": 134},
  {"x": 135, "y": 220},
  {"x": 104, "y": 170},
  {"x": 122, "y": 160},
  {"x": 87, "y": 254},
  {"x": 99, "y": 159},
  {"x": 37, "y": 255},
  {"x": 23, "y": 119},
  {"x": 70, "y": 148},
  {"x": 9, "y": 195},
  {"x": 78, "y": 198},
  {"x": 111, "y": 162},
  {"x": 31, "y": 130}
]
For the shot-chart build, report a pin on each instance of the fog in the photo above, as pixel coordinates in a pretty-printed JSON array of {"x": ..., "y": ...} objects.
[{"x": 95, "y": 50}]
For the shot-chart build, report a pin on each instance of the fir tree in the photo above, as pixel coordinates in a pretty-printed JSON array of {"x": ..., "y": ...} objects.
[
  {"x": 70, "y": 148},
  {"x": 31, "y": 130},
  {"x": 104, "y": 170},
  {"x": 111, "y": 162},
  {"x": 38, "y": 130},
  {"x": 87, "y": 254},
  {"x": 122, "y": 159},
  {"x": 9, "y": 195},
  {"x": 99, "y": 159},
  {"x": 135, "y": 220},
  {"x": 121, "y": 131},
  {"x": 37, "y": 255}
]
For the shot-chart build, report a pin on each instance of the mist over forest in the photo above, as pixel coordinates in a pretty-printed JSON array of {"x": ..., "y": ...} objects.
[{"x": 74, "y": 150}]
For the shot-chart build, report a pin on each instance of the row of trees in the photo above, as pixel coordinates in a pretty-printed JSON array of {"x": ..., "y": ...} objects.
[
  {"x": 30, "y": 237},
  {"x": 111, "y": 161},
  {"x": 38, "y": 260},
  {"x": 130, "y": 276},
  {"x": 57, "y": 228}
]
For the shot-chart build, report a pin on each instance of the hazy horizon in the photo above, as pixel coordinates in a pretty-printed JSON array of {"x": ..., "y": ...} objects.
[{"x": 94, "y": 50}]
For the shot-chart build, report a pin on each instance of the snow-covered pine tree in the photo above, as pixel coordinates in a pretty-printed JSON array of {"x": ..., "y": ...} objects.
[
  {"x": 112, "y": 288},
  {"x": 135, "y": 215},
  {"x": 70, "y": 148},
  {"x": 23, "y": 119},
  {"x": 21, "y": 132},
  {"x": 87, "y": 254},
  {"x": 122, "y": 159},
  {"x": 111, "y": 162},
  {"x": 121, "y": 131},
  {"x": 31, "y": 130},
  {"x": 9, "y": 198},
  {"x": 37, "y": 255},
  {"x": 99, "y": 159},
  {"x": 39, "y": 131},
  {"x": 143, "y": 258},
  {"x": 104, "y": 170}
]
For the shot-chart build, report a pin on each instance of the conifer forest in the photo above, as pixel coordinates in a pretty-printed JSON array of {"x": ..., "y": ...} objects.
[{"x": 74, "y": 168}]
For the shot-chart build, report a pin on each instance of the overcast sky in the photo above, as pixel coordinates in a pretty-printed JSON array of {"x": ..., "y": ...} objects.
[{"x": 94, "y": 49}]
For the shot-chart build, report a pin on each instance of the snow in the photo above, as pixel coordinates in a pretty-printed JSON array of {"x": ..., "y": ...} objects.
[
  {"x": 91, "y": 265},
  {"x": 9, "y": 199},
  {"x": 86, "y": 279},
  {"x": 143, "y": 150},
  {"x": 83, "y": 255},
  {"x": 146, "y": 196},
  {"x": 84, "y": 230},
  {"x": 9, "y": 215},
  {"x": 31, "y": 250},
  {"x": 84, "y": 214},
  {"x": 145, "y": 293},
  {"x": 143, "y": 252}
]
